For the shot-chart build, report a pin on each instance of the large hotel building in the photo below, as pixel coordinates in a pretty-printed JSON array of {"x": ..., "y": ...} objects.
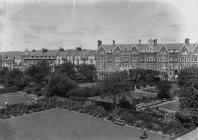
[{"x": 169, "y": 57}]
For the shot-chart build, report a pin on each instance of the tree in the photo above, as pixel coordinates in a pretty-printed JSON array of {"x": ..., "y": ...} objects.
[
  {"x": 89, "y": 71},
  {"x": 113, "y": 89},
  {"x": 124, "y": 103},
  {"x": 188, "y": 77},
  {"x": 14, "y": 78},
  {"x": 39, "y": 72},
  {"x": 59, "y": 85},
  {"x": 188, "y": 98},
  {"x": 143, "y": 76},
  {"x": 3, "y": 72},
  {"x": 61, "y": 49},
  {"x": 118, "y": 76},
  {"x": 164, "y": 89},
  {"x": 68, "y": 69}
]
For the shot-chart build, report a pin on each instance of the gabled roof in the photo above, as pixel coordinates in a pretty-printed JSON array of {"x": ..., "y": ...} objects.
[
  {"x": 185, "y": 47},
  {"x": 141, "y": 47},
  {"x": 84, "y": 53},
  {"x": 63, "y": 54},
  {"x": 123, "y": 46},
  {"x": 72, "y": 52},
  {"x": 158, "y": 47},
  {"x": 192, "y": 46},
  {"x": 108, "y": 47},
  {"x": 162, "y": 47},
  {"x": 171, "y": 46}
]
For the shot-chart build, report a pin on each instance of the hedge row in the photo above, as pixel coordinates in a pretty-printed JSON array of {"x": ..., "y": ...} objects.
[
  {"x": 52, "y": 102},
  {"x": 8, "y": 90}
]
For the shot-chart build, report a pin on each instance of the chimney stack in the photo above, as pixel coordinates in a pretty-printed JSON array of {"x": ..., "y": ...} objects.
[
  {"x": 99, "y": 43},
  {"x": 113, "y": 42},
  {"x": 187, "y": 41},
  {"x": 139, "y": 41},
  {"x": 155, "y": 42},
  {"x": 78, "y": 48}
]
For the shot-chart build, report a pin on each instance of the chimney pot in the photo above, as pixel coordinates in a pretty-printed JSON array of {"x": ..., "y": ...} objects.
[
  {"x": 187, "y": 41},
  {"x": 78, "y": 48},
  {"x": 139, "y": 41},
  {"x": 99, "y": 43},
  {"x": 114, "y": 42},
  {"x": 155, "y": 42}
]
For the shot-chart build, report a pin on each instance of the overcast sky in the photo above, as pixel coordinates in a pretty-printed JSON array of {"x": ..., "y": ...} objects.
[{"x": 37, "y": 24}]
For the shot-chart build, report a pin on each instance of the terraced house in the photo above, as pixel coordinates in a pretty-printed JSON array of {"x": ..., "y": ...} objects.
[
  {"x": 58, "y": 57},
  {"x": 167, "y": 57}
]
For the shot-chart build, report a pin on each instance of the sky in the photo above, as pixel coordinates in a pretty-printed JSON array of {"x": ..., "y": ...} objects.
[{"x": 37, "y": 24}]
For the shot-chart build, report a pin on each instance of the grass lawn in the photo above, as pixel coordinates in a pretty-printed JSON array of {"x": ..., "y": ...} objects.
[
  {"x": 173, "y": 106},
  {"x": 88, "y": 84},
  {"x": 15, "y": 98},
  {"x": 140, "y": 93},
  {"x": 59, "y": 124}
]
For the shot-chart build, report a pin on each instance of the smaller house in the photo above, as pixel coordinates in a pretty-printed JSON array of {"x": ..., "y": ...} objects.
[{"x": 11, "y": 59}]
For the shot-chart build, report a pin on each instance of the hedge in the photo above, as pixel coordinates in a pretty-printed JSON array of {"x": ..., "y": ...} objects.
[{"x": 8, "y": 90}]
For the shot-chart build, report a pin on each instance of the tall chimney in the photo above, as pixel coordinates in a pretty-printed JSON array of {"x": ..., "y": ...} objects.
[
  {"x": 139, "y": 41},
  {"x": 113, "y": 42},
  {"x": 78, "y": 48},
  {"x": 187, "y": 41},
  {"x": 99, "y": 43},
  {"x": 155, "y": 42}
]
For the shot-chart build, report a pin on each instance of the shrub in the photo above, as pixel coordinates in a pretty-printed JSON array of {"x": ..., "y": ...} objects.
[
  {"x": 173, "y": 127},
  {"x": 110, "y": 117},
  {"x": 85, "y": 92},
  {"x": 124, "y": 103},
  {"x": 128, "y": 118},
  {"x": 186, "y": 120}
]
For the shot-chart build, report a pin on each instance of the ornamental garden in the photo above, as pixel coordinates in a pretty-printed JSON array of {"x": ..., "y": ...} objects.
[{"x": 141, "y": 98}]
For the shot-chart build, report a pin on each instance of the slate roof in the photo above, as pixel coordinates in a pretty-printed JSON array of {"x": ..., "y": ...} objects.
[
  {"x": 192, "y": 46},
  {"x": 72, "y": 52},
  {"x": 63, "y": 54},
  {"x": 11, "y": 55},
  {"x": 141, "y": 47},
  {"x": 41, "y": 53},
  {"x": 108, "y": 47},
  {"x": 84, "y": 53},
  {"x": 171, "y": 46},
  {"x": 123, "y": 46}
]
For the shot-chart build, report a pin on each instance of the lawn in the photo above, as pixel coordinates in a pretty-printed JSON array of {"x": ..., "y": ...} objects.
[
  {"x": 89, "y": 85},
  {"x": 59, "y": 124},
  {"x": 15, "y": 98},
  {"x": 173, "y": 106}
]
